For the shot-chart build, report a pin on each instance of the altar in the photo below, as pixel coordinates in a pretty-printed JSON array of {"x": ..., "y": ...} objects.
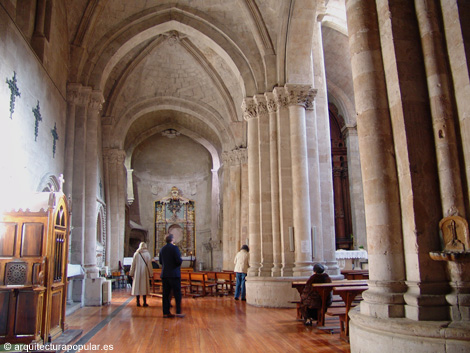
[
  {"x": 188, "y": 261},
  {"x": 349, "y": 259}
]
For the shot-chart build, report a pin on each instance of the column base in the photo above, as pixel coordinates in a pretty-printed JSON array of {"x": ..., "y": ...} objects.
[
  {"x": 93, "y": 291},
  {"x": 272, "y": 292},
  {"x": 370, "y": 335}
]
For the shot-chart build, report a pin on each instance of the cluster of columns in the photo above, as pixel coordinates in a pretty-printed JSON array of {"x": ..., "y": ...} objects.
[
  {"x": 286, "y": 224},
  {"x": 83, "y": 151},
  {"x": 87, "y": 164}
]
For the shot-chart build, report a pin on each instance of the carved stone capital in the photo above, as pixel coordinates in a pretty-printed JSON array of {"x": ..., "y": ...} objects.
[
  {"x": 249, "y": 109},
  {"x": 261, "y": 106},
  {"x": 73, "y": 93},
  {"x": 302, "y": 95},
  {"x": 84, "y": 95},
  {"x": 235, "y": 157},
  {"x": 271, "y": 102},
  {"x": 281, "y": 96},
  {"x": 114, "y": 155},
  {"x": 349, "y": 131},
  {"x": 96, "y": 101}
]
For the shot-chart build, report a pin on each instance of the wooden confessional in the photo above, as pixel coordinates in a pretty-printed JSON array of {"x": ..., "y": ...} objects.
[{"x": 33, "y": 269}]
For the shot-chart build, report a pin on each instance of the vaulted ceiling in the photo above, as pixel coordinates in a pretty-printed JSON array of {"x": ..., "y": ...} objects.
[{"x": 186, "y": 64}]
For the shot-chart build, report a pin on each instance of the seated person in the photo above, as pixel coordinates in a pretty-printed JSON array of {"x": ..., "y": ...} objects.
[
  {"x": 155, "y": 264},
  {"x": 310, "y": 300}
]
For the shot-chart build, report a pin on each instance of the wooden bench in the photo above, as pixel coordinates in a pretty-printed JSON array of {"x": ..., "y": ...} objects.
[
  {"x": 199, "y": 280},
  {"x": 348, "y": 294},
  {"x": 225, "y": 282}
]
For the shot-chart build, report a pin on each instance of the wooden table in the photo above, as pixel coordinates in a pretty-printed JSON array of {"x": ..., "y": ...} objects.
[
  {"x": 355, "y": 274},
  {"x": 348, "y": 294}
]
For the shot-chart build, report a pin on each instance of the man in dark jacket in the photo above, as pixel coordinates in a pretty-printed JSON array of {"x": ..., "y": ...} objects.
[{"x": 170, "y": 259}]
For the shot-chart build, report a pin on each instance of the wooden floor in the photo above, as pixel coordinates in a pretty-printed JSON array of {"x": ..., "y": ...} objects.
[{"x": 212, "y": 324}]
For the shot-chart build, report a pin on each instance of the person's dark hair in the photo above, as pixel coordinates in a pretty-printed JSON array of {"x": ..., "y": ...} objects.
[
  {"x": 169, "y": 238},
  {"x": 318, "y": 268},
  {"x": 245, "y": 247}
]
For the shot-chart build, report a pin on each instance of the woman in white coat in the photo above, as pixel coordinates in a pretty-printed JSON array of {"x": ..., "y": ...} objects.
[{"x": 141, "y": 273}]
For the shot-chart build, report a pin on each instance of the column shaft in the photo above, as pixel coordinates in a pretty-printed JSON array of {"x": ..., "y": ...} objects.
[
  {"x": 91, "y": 184},
  {"x": 250, "y": 114},
  {"x": 384, "y": 236},
  {"x": 274, "y": 171},
  {"x": 264, "y": 187},
  {"x": 299, "y": 97},
  {"x": 285, "y": 180},
  {"x": 442, "y": 112}
]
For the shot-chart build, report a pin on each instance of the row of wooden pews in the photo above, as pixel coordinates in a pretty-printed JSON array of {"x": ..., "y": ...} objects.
[{"x": 199, "y": 284}]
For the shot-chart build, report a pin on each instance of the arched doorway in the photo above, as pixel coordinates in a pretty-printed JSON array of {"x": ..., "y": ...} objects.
[{"x": 342, "y": 202}]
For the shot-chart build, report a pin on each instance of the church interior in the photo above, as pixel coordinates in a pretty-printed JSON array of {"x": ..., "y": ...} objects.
[{"x": 306, "y": 129}]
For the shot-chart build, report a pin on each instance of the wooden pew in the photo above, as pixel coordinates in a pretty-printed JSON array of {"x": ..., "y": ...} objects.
[
  {"x": 185, "y": 282},
  {"x": 199, "y": 280},
  {"x": 348, "y": 294},
  {"x": 225, "y": 282}
]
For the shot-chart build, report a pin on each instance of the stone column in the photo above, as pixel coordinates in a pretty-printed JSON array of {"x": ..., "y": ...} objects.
[
  {"x": 382, "y": 201},
  {"x": 130, "y": 185},
  {"x": 285, "y": 179},
  {"x": 93, "y": 283},
  {"x": 91, "y": 183},
  {"x": 322, "y": 121},
  {"x": 78, "y": 185},
  {"x": 314, "y": 186},
  {"x": 228, "y": 241},
  {"x": 215, "y": 206},
  {"x": 264, "y": 187},
  {"x": 355, "y": 186},
  {"x": 113, "y": 166},
  {"x": 443, "y": 116},
  {"x": 300, "y": 96},
  {"x": 457, "y": 51},
  {"x": 274, "y": 171},
  {"x": 251, "y": 116},
  {"x": 232, "y": 240},
  {"x": 73, "y": 98}
]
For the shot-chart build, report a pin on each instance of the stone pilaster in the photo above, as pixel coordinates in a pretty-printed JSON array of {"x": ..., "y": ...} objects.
[
  {"x": 251, "y": 116},
  {"x": 272, "y": 106},
  {"x": 382, "y": 201},
  {"x": 300, "y": 97}
]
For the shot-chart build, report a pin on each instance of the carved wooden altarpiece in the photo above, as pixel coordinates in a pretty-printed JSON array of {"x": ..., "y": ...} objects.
[{"x": 176, "y": 214}]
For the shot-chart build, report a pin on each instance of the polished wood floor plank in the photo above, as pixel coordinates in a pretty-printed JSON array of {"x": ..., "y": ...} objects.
[{"x": 212, "y": 324}]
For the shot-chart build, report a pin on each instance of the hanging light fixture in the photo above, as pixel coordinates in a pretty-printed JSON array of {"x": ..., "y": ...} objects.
[{"x": 170, "y": 133}]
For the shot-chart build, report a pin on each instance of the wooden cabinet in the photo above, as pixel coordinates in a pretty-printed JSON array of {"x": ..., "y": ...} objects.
[{"x": 33, "y": 265}]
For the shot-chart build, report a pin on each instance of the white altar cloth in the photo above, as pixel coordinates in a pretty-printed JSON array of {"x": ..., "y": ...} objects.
[{"x": 351, "y": 254}]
